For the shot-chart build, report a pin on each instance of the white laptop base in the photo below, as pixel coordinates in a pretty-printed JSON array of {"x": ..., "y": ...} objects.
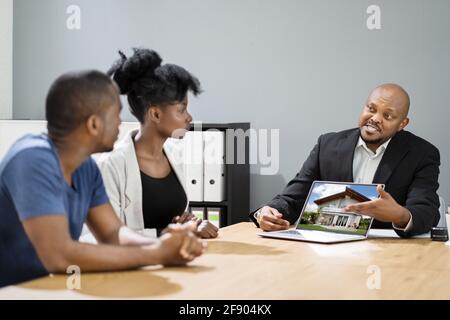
[{"x": 312, "y": 236}]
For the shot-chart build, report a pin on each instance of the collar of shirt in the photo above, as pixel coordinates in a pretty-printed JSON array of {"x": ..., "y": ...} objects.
[{"x": 380, "y": 149}]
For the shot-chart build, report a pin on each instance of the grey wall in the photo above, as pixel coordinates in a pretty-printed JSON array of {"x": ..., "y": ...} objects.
[{"x": 304, "y": 67}]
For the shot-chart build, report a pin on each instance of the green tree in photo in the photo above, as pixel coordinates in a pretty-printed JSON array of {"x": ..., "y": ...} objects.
[
  {"x": 364, "y": 224},
  {"x": 310, "y": 217}
]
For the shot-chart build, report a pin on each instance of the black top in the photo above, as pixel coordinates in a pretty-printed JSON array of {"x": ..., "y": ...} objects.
[{"x": 162, "y": 200}]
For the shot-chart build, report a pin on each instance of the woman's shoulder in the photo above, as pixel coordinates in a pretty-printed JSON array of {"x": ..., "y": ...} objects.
[
  {"x": 122, "y": 151},
  {"x": 174, "y": 146}
]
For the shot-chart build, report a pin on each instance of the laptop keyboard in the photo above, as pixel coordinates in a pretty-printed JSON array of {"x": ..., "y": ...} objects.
[{"x": 291, "y": 232}]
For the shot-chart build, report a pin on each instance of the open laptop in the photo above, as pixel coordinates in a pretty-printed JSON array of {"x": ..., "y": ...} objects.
[{"x": 323, "y": 220}]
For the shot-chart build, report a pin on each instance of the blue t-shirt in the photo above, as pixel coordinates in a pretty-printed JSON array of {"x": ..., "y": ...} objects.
[{"x": 32, "y": 185}]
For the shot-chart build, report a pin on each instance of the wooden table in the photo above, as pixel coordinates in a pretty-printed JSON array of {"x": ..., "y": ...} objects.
[{"x": 241, "y": 265}]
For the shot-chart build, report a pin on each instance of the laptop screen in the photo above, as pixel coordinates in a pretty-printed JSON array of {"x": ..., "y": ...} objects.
[{"x": 323, "y": 209}]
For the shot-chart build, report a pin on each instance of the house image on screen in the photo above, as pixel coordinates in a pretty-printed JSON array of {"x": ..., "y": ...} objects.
[{"x": 330, "y": 209}]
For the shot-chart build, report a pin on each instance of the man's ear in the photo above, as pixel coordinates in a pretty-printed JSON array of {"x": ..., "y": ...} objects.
[
  {"x": 403, "y": 124},
  {"x": 94, "y": 125}
]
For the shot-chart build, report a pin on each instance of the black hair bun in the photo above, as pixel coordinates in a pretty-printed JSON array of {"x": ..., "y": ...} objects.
[{"x": 127, "y": 71}]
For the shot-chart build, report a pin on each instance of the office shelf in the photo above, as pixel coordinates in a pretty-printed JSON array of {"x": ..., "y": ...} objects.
[{"x": 235, "y": 208}]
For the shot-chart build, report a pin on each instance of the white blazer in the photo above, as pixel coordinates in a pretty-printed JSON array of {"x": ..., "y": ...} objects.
[{"x": 122, "y": 179}]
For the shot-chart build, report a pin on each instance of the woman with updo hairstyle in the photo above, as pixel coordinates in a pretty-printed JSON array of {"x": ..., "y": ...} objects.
[{"x": 144, "y": 175}]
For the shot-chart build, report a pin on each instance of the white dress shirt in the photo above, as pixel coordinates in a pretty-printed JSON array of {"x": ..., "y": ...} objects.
[
  {"x": 365, "y": 165},
  {"x": 365, "y": 161}
]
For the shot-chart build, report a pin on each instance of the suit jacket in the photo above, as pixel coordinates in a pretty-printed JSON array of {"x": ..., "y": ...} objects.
[
  {"x": 409, "y": 169},
  {"x": 122, "y": 179}
]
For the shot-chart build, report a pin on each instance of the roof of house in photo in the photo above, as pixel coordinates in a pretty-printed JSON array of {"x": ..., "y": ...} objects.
[{"x": 348, "y": 192}]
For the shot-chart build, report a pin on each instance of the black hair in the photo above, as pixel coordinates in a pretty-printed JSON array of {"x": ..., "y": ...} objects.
[
  {"x": 147, "y": 82},
  {"x": 74, "y": 97}
]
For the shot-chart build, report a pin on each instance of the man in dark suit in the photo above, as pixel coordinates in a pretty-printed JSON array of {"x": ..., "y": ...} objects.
[{"x": 379, "y": 151}]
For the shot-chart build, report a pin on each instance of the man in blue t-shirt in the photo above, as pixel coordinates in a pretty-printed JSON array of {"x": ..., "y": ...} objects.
[{"x": 50, "y": 187}]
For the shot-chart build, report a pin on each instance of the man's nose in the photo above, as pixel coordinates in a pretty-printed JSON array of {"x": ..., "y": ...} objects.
[{"x": 376, "y": 118}]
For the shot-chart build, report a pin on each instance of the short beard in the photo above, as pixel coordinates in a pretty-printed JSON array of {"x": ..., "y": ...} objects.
[
  {"x": 104, "y": 148},
  {"x": 377, "y": 141},
  {"x": 108, "y": 149}
]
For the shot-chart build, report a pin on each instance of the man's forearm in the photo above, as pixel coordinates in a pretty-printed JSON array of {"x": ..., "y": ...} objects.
[{"x": 102, "y": 257}]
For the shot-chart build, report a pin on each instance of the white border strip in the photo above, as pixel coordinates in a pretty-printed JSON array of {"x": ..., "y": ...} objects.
[{"x": 6, "y": 58}]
